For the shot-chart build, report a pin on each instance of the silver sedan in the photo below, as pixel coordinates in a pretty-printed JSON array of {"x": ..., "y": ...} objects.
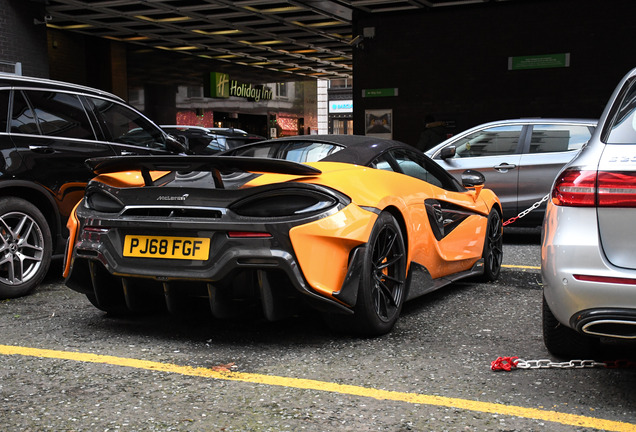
[
  {"x": 519, "y": 158},
  {"x": 588, "y": 262}
]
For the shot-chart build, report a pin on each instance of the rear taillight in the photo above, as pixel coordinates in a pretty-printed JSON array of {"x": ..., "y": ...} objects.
[
  {"x": 616, "y": 189},
  {"x": 575, "y": 188},
  {"x": 580, "y": 188}
]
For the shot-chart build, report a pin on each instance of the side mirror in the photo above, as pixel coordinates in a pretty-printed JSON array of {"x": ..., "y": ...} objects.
[
  {"x": 177, "y": 145},
  {"x": 448, "y": 152},
  {"x": 474, "y": 180}
]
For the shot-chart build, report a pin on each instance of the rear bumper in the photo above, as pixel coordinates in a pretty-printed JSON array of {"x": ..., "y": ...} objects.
[
  {"x": 307, "y": 258},
  {"x": 572, "y": 250}
]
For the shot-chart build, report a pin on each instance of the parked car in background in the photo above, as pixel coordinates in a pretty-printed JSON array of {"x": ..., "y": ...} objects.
[
  {"x": 519, "y": 158},
  {"x": 354, "y": 235},
  {"x": 47, "y": 130},
  {"x": 588, "y": 262},
  {"x": 202, "y": 140}
]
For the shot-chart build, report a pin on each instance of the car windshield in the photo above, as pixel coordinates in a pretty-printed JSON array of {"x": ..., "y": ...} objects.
[{"x": 623, "y": 129}]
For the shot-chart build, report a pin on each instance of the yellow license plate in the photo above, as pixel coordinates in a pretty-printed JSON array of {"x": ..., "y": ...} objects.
[{"x": 190, "y": 248}]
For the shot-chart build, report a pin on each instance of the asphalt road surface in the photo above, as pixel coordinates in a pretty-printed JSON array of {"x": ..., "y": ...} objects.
[{"x": 66, "y": 366}]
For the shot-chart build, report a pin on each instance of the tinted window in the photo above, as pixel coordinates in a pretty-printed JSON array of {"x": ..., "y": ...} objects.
[
  {"x": 60, "y": 114},
  {"x": 307, "y": 151},
  {"x": 217, "y": 143},
  {"x": 123, "y": 125},
  {"x": 302, "y": 151},
  {"x": 381, "y": 163},
  {"x": 22, "y": 118},
  {"x": 413, "y": 168},
  {"x": 623, "y": 129},
  {"x": 265, "y": 151},
  {"x": 558, "y": 138},
  {"x": 4, "y": 110},
  {"x": 501, "y": 140}
]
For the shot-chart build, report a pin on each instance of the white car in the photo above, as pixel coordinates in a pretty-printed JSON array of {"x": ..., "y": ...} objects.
[{"x": 588, "y": 262}]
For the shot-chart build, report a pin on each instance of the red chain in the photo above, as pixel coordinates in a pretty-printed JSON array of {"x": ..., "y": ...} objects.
[
  {"x": 509, "y": 363},
  {"x": 504, "y": 363},
  {"x": 511, "y": 220}
]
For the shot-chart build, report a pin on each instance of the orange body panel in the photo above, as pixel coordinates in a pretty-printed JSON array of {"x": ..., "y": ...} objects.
[
  {"x": 127, "y": 179},
  {"x": 120, "y": 179},
  {"x": 327, "y": 246},
  {"x": 322, "y": 247},
  {"x": 73, "y": 228}
]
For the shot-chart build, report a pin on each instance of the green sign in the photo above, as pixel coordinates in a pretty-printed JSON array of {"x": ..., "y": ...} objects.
[
  {"x": 545, "y": 61},
  {"x": 221, "y": 86},
  {"x": 381, "y": 92}
]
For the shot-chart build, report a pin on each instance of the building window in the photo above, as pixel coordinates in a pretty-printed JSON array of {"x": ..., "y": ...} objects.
[
  {"x": 340, "y": 83},
  {"x": 281, "y": 90},
  {"x": 195, "y": 91}
]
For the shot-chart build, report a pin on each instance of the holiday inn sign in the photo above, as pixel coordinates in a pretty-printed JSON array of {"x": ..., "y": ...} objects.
[{"x": 221, "y": 86}]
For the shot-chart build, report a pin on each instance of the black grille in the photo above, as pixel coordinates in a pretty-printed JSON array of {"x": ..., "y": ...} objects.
[{"x": 176, "y": 212}]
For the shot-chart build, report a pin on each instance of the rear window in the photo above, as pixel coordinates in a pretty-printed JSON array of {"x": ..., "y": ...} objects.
[
  {"x": 127, "y": 126},
  {"x": 60, "y": 114},
  {"x": 301, "y": 151},
  {"x": 22, "y": 118},
  {"x": 307, "y": 151},
  {"x": 623, "y": 125},
  {"x": 548, "y": 138}
]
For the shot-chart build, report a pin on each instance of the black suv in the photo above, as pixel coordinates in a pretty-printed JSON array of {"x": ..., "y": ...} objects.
[{"x": 47, "y": 130}]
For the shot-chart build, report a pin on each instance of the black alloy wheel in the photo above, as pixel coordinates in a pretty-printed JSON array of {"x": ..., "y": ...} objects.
[
  {"x": 25, "y": 247},
  {"x": 493, "y": 247},
  {"x": 382, "y": 283}
]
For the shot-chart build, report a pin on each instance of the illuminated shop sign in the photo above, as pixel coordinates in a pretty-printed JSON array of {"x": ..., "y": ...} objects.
[
  {"x": 341, "y": 106},
  {"x": 545, "y": 61},
  {"x": 221, "y": 86}
]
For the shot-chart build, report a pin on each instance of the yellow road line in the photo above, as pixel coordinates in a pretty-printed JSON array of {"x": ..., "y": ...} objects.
[
  {"x": 299, "y": 383},
  {"x": 521, "y": 266}
]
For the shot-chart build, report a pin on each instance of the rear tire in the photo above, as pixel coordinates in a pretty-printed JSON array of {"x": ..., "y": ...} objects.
[
  {"x": 562, "y": 341},
  {"x": 25, "y": 247},
  {"x": 382, "y": 284}
]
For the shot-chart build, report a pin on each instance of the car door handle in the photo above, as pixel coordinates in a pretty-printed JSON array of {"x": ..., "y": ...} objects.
[
  {"x": 505, "y": 167},
  {"x": 128, "y": 153},
  {"x": 41, "y": 149}
]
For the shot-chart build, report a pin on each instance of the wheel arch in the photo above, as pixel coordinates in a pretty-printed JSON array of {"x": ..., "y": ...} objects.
[
  {"x": 399, "y": 217},
  {"x": 497, "y": 206},
  {"x": 40, "y": 198}
]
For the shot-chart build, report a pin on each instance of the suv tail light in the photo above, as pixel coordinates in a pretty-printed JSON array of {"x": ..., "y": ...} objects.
[{"x": 580, "y": 188}]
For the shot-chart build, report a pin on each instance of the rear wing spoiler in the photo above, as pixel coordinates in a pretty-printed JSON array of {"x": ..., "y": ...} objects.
[{"x": 213, "y": 164}]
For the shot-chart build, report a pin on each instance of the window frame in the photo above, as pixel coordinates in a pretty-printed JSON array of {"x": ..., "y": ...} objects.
[
  {"x": 530, "y": 131},
  {"x": 523, "y": 134},
  {"x": 89, "y": 127},
  {"x": 107, "y": 131}
]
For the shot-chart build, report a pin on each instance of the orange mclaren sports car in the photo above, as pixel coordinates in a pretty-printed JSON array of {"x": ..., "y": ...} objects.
[{"x": 351, "y": 226}]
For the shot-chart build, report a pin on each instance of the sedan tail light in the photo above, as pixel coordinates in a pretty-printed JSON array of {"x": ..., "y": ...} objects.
[{"x": 581, "y": 188}]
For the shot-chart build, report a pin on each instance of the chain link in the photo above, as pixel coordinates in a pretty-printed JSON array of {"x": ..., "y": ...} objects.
[
  {"x": 548, "y": 364},
  {"x": 528, "y": 210},
  {"x": 510, "y": 363}
]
